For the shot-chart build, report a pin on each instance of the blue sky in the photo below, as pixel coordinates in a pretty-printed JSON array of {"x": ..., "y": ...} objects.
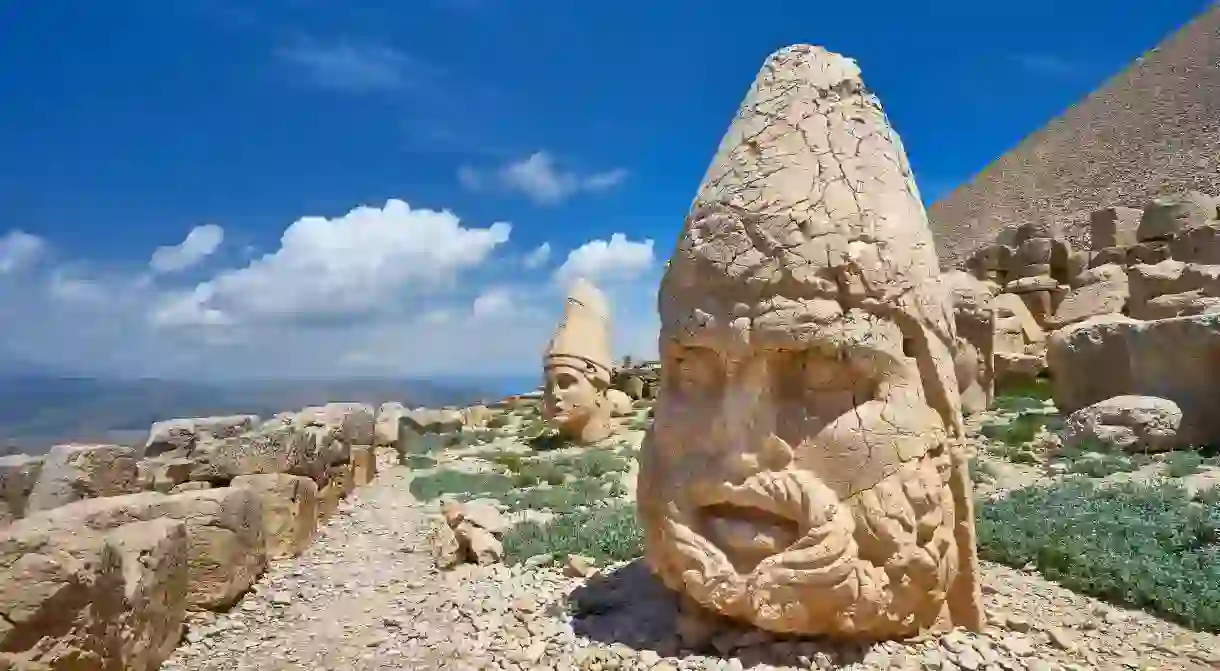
[{"x": 127, "y": 124}]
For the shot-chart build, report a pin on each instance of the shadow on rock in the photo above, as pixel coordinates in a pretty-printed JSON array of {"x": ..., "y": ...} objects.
[{"x": 630, "y": 606}]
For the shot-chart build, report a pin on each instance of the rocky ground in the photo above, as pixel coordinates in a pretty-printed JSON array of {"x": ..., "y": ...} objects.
[{"x": 366, "y": 595}]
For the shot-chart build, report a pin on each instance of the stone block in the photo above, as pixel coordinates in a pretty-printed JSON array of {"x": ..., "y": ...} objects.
[
  {"x": 1114, "y": 227},
  {"x": 74, "y": 472},
  {"x": 290, "y": 511}
]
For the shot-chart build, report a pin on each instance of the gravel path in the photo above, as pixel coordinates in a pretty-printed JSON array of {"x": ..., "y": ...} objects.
[{"x": 366, "y": 596}]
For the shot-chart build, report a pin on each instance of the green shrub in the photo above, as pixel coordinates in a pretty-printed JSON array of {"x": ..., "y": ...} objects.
[
  {"x": 1020, "y": 430},
  {"x": 419, "y": 461},
  {"x": 605, "y": 535},
  {"x": 1146, "y": 546},
  {"x": 562, "y": 498},
  {"x": 535, "y": 471},
  {"x": 445, "y": 481},
  {"x": 594, "y": 463},
  {"x": 1102, "y": 465},
  {"x": 498, "y": 421},
  {"x": 1015, "y": 453},
  {"x": 1182, "y": 464},
  {"x": 981, "y": 471},
  {"x": 1024, "y": 396}
]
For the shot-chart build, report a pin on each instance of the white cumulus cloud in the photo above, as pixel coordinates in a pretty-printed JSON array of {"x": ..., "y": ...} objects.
[
  {"x": 607, "y": 260},
  {"x": 540, "y": 179},
  {"x": 329, "y": 268},
  {"x": 200, "y": 243},
  {"x": 538, "y": 257},
  {"x": 19, "y": 249}
]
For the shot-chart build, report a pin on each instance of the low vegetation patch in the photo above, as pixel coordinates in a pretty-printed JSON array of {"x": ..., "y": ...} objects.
[
  {"x": 418, "y": 461},
  {"x": 565, "y": 497},
  {"x": 606, "y": 534},
  {"x": 1147, "y": 546},
  {"x": 464, "y": 485},
  {"x": 1022, "y": 429},
  {"x": 1025, "y": 396}
]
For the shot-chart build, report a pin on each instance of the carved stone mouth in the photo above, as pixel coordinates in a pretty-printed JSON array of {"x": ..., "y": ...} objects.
[{"x": 746, "y": 534}]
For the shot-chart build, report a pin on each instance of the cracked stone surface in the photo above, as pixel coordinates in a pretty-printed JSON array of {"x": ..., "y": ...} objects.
[{"x": 805, "y": 472}]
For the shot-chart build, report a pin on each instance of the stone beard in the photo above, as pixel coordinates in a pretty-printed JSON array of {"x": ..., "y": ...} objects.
[{"x": 805, "y": 471}]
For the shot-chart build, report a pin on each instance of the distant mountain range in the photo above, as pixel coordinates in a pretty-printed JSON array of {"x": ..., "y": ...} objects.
[{"x": 39, "y": 410}]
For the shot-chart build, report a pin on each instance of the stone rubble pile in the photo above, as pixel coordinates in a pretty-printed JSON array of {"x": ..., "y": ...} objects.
[
  {"x": 104, "y": 549},
  {"x": 469, "y": 531},
  {"x": 1136, "y": 315}
]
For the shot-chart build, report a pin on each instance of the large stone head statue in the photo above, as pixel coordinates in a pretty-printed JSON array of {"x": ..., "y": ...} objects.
[
  {"x": 804, "y": 471},
  {"x": 577, "y": 367}
]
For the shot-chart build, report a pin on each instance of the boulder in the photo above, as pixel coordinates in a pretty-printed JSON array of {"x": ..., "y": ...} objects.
[
  {"x": 168, "y": 474},
  {"x": 385, "y": 425},
  {"x": 290, "y": 511},
  {"x": 81, "y": 598},
  {"x": 190, "y": 487},
  {"x": 18, "y": 475},
  {"x": 1172, "y": 359},
  {"x": 428, "y": 420},
  {"x": 446, "y": 550},
  {"x": 271, "y": 449},
  {"x": 1129, "y": 423},
  {"x": 1114, "y": 227},
  {"x": 352, "y": 423},
  {"x": 1015, "y": 370},
  {"x": 620, "y": 403},
  {"x": 481, "y": 513},
  {"x": 1102, "y": 290},
  {"x": 633, "y": 386},
  {"x": 481, "y": 546},
  {"x": 1166, "y": 216},
  {"x": 1008, "y": 305},
  {"x": 1200, "y": 244},
  {"x": 226, "y": 549},
  {"x": 178, "y": 436},
  {"x": 364, "y": 465},
  {"x": 74, "y": 472},
  {"x": 476, "y": 415}
]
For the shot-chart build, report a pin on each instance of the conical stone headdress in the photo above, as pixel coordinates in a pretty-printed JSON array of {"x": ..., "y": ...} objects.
[{"x": 582, "y": 339}]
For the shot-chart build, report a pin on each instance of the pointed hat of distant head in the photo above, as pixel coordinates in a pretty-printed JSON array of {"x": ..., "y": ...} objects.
[{"x": 583, "y": 336}]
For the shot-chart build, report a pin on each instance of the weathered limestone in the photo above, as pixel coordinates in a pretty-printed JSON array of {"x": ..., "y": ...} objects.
[
  {"x": 352, "y": 423},
  {"x": 270, "y": 449},
  {"x": 620, "y": 403},
  {"x": 89, "y": 599},
  {"x": 1166, "y": 216},
  {"x": 577, "y": 367},
  {"x": 468, "y": 532},
  {"x": 18, "y": 475},
  {"x": 1172, "y": 359},
  {"x": 178, "y": 436},
  {"x": 810, "y": 402},
  {"x": 364, "y": 465},
  {"x": 74, "y": 472},
  {"x": 1101, "y": 290},
  {"x": 226, "y": 548},
  {"x": 385, "y": 427},
  {"x": 1130, "y": 423},
  {"x": 290, "y": 511},
  {"x": 974, "y": 361},
  {"x": 1113, "y": 227}
]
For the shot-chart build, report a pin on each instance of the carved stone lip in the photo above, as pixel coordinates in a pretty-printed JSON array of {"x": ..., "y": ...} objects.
[{"x": 726, "y": 498}]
